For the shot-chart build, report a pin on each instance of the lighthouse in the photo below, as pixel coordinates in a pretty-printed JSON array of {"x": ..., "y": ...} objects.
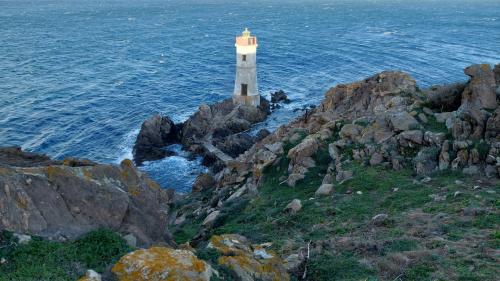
[{"x": 245, "y": 84}]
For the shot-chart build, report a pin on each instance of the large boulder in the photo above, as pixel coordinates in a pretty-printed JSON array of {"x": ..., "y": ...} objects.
[
  {"x": 386, "y": 91},
  {"x": 58, "y": 201},
  {"x": 156, "y": 133},
  {"x": 161, "y": 263},
  {"x": 221, "y": 120},
  {"x": 234, "y": 145},
  {"x": 248, "y": 262},
  {"x": 480, "y": 92}
]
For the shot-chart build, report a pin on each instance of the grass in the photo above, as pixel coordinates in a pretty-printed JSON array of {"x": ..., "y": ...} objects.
[
  {"x": 45, "y": 260},
  {"x": 424, "y": 238}
]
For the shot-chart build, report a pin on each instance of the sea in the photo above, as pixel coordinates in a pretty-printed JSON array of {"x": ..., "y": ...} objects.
[{"x": 77, "y": 78}]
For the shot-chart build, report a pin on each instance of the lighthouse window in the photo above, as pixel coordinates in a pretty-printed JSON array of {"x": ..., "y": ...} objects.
[
  {"x": 244, "y": 57},
  {"x": 244, "y": 89}
]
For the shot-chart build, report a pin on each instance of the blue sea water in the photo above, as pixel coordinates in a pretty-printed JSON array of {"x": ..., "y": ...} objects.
[{"x": 77, "y": 78}]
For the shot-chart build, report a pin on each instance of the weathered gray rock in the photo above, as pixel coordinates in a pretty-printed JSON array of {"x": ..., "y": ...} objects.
[
  {"x": 156, "y": 133},
  {"x": 61, "y": 202},
  {"x": 209, "y": 220},
  {"x": 203, "y": 181},
  {"x": 380, "y": 219},
  {"x": 294, "y": 206},
  {"x": 376, "y": 158},
  {"x": 403, "y": 121},
  {"x": 324, "y": 189},
  {"x": 480, "y": 92}
]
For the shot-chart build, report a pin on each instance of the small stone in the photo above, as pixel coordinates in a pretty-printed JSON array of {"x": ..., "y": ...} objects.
[
  {"x": 459, "y": 182},
  {"x": 423, "y": 118},
  {"x": 324, "y": 189},
  {"x": 476, "y": 187},
  {"x": 426, "y": 180},
  {"x": 131, "y": 240},
  {"x": 380, "y": 219},
  {"x": 22, "y": 239},
  {"x": 359, "y": 192},
  {"x": 262, "y": 254},
  {"x": 427, "y": 111},
  {"x": 91, "y": 275},
  {"x": 395, "y": 189},
  {"x": 211, "y": 217},
  {"x": 456, "y": 193},
  {"x": 3, "y": 261},
  {"x": 294, "y": 206}
]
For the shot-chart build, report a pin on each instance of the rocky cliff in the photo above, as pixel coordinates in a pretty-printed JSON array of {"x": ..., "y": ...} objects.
[{"x": 64, "y": 199}]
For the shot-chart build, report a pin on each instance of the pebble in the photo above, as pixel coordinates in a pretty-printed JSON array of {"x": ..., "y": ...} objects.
[{"x": 359, "y": 192}]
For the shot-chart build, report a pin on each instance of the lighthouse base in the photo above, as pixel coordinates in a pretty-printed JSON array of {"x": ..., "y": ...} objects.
[{"x": 253, "y": 100}]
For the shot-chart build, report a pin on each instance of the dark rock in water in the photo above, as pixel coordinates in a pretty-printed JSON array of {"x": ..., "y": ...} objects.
[
  {"x": 156, "y": 133},
  {"x": 202, "y": 182},
  {"x": 58, "y": 201},
  {"x": 445, "y": 98},
  {"x": 279, "y": 96},
  {"x": 236, "y": 144},
  {"x": 221, "y": 119}
]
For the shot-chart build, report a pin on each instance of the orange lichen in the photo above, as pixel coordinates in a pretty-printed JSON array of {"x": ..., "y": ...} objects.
[{"x": 159, "y": 263}]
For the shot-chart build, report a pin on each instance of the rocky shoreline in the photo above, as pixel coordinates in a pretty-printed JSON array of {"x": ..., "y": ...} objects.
[{"x": 382, "y": 122}]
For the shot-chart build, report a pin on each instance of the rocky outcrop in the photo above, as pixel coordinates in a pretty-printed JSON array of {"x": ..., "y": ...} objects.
[
  {"x": 160, "y": 263},
  {"x": 480, "y": 92},
  {"x": 156, "y": 133},
  {"x": 221, "y": 124},
  {"x": 248, "y": 262},
  {"x": 59, "y": 200}
]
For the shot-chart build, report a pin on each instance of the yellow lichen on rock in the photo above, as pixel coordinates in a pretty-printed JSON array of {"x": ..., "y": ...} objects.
[
  {"x": 249, "y": 262},
  {"x": 160, "y": 263}
]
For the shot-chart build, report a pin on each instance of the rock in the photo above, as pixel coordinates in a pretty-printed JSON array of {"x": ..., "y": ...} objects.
[
  {"x": 343, "y": 176},
  {"x": 403, "y": 121},
  {"x": 294, "y": 178},
  {"x": 262, "y": 134},
  {"x": 279, "y": 96},
  {"x": 15, "y": 157},
  {"x": 493, "y": 126},
  {"x": 307, "y": 148},
  {"x": 294, "y": 206},
  {"x": 414, "y": 136},
  {"x": 235, "y": 144},
  {"x": 434, "y": 139},
  {"x": 445, "y": 98},
  {"x": 423, "y": 118},
  {"x": 444, "y": 156},
  {"x": 376, "y": 159},
  {"x": 210, "y": 219},
  {"x": 264, "y": 158},
  {"x": 376, "y": 94},
  {"x": 61, "y": 202},
  {"x": 91, "y": 275},
  {"x": 221, "y": 120},
  {"x": 276, "y": 148},
  {"x": 380, "y": 219},
  {"x": 131, "y": 240},
  {"x": 324, "y": 189},
  {"x": 480, "y": 92},
  {"x": 425, "y": 163},
  {"x": 160, "y": 263},
  {"x": 248, "y": 262},
  {"x": 203, "y": 181},
  {"x": 471, "y": 170},
  {"x": 293, "y": 262},
  {"x": 350, "y": 131},
  {"x": 469, "y": 124},
  {"x": 156, "y": 133},
  {"x": 22, "y": 239}
]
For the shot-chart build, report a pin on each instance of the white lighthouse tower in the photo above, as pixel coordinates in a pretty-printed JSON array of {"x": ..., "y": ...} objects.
[{"x": 245, "y": 84}]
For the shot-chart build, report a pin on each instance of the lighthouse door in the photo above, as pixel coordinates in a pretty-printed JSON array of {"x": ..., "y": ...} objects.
[{"x": 244, "y": 89}]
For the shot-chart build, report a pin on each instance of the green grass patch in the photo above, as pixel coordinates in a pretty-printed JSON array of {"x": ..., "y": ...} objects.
[{"x": 45, "y": 260}]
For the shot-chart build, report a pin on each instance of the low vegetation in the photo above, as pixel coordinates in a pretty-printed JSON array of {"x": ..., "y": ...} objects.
[
  {"x": 442, "y": 228},
  {"x": 42, "y": 260}
]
